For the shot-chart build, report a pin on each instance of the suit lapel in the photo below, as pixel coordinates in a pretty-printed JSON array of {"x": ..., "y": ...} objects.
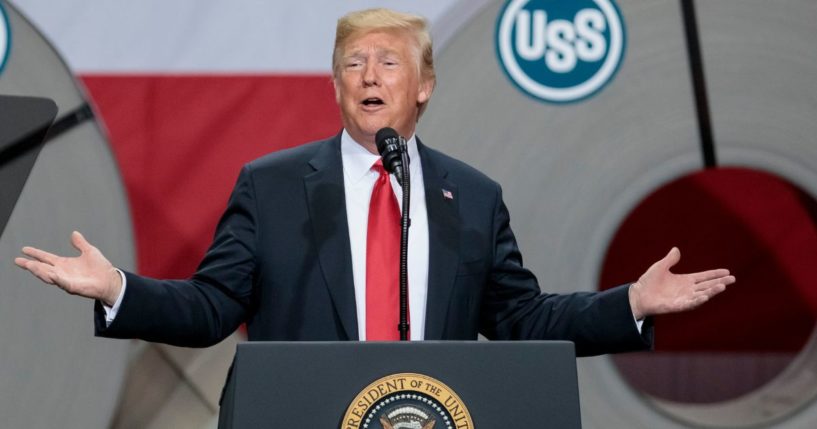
[
  {"x": 327, "y": 214},
  {"x": 442, "y": 205}
]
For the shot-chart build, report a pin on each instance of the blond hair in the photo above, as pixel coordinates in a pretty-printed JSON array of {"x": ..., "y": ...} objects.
[{"x": 369, "y": 20}]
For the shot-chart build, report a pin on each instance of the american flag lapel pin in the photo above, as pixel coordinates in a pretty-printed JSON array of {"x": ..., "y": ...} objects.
[{"x": 447, "y": 194}]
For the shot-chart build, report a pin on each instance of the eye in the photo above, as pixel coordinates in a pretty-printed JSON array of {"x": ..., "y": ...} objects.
[{"x": 353, "y": 64}]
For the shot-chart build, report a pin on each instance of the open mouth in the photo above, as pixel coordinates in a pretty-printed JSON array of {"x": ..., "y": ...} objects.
[{"x": 373, "y": 101}]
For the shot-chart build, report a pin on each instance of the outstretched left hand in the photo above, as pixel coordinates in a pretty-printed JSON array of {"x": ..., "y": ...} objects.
[{"x": 658, "y": 291}]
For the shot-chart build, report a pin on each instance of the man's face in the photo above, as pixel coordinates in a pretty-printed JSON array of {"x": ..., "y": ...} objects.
[{"x": 378, "y": 85}]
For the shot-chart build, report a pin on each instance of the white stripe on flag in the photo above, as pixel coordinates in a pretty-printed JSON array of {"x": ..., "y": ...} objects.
[{"x": 181, "y": 36}]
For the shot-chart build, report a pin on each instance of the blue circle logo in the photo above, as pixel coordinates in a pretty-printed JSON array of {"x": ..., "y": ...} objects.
[
  {"x": 560, "y": 51},
  {"x": 5, "y": 38}
]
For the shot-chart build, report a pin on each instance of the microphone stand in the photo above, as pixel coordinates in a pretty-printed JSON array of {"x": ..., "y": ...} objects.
[{"x": 405, "y": 223}]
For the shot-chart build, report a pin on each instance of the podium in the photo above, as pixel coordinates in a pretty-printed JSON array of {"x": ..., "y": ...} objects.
[{"x": 385, "y": 385}]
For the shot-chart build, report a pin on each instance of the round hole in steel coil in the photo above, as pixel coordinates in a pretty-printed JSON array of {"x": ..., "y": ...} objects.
[{"x": 747, "y": 343}]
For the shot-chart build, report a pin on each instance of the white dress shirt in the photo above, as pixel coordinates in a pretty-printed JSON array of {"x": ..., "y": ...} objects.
[{"x": 358, "y": 182}]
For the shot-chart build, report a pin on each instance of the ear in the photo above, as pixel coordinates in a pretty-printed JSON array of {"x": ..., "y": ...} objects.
[
  {"x": 337, "y": 90},
  {"x": 426, "y": 88}
]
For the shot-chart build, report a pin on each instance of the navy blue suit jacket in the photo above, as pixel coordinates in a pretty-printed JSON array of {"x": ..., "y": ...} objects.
[{"x": 280, "y": 261}]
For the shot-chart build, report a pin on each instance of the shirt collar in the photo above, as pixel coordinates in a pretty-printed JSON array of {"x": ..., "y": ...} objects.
[{"x": 357, "y": 161}]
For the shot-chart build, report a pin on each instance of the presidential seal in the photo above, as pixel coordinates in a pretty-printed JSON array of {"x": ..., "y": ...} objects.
[{"x": 407, "y": 401}]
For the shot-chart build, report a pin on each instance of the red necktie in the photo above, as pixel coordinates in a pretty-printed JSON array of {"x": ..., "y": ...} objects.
[{"x": 383, "y": 261}]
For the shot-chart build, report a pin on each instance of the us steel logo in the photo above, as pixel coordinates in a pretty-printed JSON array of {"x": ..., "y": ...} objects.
[{"x": 560, "y": 51}]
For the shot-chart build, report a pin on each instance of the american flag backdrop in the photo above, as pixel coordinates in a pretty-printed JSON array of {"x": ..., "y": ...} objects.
[{"x": 189, "y": 91}]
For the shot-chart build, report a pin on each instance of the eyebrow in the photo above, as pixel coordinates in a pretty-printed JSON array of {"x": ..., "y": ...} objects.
[{"x": 380, "y": 53}]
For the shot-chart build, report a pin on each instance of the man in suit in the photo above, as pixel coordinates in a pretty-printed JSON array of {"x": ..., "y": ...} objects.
[{"x": 295, "y": 255}]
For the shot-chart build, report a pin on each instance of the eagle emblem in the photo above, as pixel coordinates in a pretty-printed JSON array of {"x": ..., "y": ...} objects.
[{"x": 408, "y": 417}]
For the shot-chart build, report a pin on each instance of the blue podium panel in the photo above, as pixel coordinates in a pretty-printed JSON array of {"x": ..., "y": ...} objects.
[{"x": 402, "y": 384}]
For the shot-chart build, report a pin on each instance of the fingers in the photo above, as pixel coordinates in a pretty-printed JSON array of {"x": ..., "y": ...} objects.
[
  {"x": 710, "y": 292},
  {"x": 40, "y": 255},
  {"x": 671, "y": 259},
  {"x": 698, "y": 300},
  {"x": 702, "y": 296},
  {"x": 21, "y": 262},
  {"x": 709, "y": 275},
  {"x": 727, "y": 280},
  {"x": 79, "y": 242},
  {"x": 40, "y": 270}
]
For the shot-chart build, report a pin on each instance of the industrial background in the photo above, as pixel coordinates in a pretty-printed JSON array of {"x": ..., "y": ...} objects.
[{"x": 703, "y": 136}]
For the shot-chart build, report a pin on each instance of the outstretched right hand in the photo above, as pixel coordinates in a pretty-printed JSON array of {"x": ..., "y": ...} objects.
[{"x": 90, "y": 274}]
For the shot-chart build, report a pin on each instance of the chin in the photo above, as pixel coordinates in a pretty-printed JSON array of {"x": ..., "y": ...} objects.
[{"x": 372, "y": 129}]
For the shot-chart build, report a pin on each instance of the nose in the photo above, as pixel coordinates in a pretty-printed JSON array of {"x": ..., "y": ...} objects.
[{"x": 370, "y": 77}]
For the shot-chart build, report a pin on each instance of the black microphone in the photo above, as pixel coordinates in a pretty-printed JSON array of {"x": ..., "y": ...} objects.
[{"x": 388, "y": 144}]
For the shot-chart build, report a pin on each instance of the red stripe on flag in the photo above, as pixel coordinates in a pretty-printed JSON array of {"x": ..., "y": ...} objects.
[{"x": 181, "y": 140}]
